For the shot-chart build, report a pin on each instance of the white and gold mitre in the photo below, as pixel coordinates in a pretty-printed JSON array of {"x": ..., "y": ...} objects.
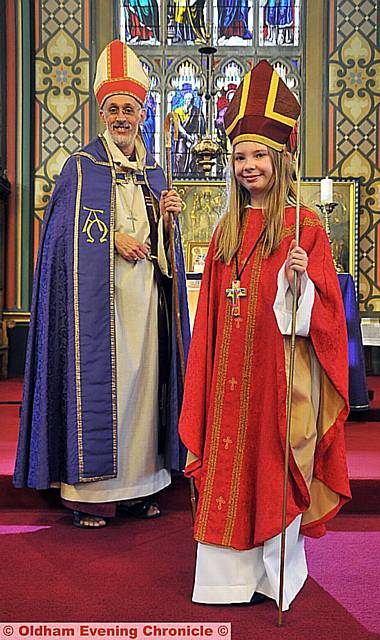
[{"x": 119, "y": 72}]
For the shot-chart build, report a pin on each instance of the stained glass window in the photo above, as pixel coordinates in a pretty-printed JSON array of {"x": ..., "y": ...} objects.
[
  {"x": 151, "y": 128},
  {"x": 186, "y": 21},
  {"x": 242, "y": 32},
  {"x": 227, "y": 81},
  {"x": 279, "y": 22},
  {"x": 185, "y": 101},
  {"x": 286, "y": 73},
  {"x": 139, "y": 21},
  {"x": 233, "y": 22}
]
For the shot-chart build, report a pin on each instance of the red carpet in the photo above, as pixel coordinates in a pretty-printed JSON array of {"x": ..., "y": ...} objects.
[
  {"x": 11, "y": 390},
  {"x": 143, "y": 571},
  {"x": 363, "y": 450},
  {"x": 9, "y": 417},
  {"x": 330, "y": 561}
]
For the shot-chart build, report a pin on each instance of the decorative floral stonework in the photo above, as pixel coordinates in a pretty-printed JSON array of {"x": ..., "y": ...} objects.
[
  {"x": 354, "y": 91},
  {"x": 62, "y": 76}
]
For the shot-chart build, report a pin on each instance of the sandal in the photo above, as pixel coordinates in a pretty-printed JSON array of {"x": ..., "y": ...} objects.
[
  {"x": 140, "y": 509},
  {"x": 79, "y": 516}
]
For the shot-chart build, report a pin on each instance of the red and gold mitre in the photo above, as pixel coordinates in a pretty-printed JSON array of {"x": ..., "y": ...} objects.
[
  {"x": 263, "y": 109},
  {"x": 119, "y": 72}
]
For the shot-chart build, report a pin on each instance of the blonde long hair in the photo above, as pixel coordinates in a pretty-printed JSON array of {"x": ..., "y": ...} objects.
[{"x": 281, "y": 192}]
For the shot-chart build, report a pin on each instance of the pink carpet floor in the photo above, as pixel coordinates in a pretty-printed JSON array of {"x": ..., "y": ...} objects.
[
  {"x": 136, "y": 571},
  {"x": 143, "y": 571}
]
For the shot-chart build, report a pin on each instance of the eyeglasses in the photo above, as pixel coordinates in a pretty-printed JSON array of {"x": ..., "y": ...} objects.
[{"x": 126, "y": 111}]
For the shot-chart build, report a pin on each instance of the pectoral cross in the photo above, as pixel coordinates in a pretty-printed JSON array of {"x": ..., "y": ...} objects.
[
  {"x": 235, "y": 293},
  {"x": 132, "y": 219}
]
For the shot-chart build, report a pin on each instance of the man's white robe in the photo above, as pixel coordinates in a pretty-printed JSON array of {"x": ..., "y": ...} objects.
[{"x": 141, "y": 470}]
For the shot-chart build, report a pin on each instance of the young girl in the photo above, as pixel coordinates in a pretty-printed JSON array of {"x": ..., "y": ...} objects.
[{"x": 233, "y": 418}]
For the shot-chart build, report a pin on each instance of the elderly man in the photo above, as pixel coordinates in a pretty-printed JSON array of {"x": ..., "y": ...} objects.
[{"x": 102, "y": 382}]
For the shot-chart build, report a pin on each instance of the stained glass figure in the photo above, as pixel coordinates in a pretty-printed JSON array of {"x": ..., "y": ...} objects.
[
  {"x": 227, "y": 82},
  {"x": 151, "y": 129},
  {"x": 186, "y": 102},
  {"x": 279, "y": 22},
  {"x": 140, "y": 21},
  {"x": 222, "y": 102},
  {"x": 186, "y": 21},
  {"x": 235, "y": 22}
]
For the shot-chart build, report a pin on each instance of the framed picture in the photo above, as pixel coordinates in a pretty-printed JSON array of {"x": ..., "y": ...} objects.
[
  {"x": 196, "y": 256},
  {"x": 203, "y": 205}
]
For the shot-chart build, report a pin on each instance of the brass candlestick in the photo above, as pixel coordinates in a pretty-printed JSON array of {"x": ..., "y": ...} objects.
[
  {"x": 326, "y": 209},
  {"x": 205, "y": 152}
]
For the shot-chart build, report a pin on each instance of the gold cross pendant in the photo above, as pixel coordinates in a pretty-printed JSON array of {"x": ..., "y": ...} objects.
[{"x": 235, "y": 293}]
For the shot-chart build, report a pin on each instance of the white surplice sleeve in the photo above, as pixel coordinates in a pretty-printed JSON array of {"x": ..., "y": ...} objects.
[
  {"x": 284, "y": 300},
  {"x": 163, "y": 261}
]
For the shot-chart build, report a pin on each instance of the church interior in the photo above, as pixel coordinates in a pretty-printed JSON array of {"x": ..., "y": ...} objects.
[{"x": 195, "y": 53}]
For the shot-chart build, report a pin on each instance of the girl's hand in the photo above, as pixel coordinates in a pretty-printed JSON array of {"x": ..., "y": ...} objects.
[{"x": 296, "y": 261}]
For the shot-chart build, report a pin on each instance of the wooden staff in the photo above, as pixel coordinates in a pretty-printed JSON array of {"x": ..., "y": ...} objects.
[
  {"x": 289, "y": 396},
  {"x": 173, "y": 119}
]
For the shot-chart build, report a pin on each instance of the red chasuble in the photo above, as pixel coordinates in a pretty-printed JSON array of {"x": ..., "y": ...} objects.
[{"x": 233, "y": 417}]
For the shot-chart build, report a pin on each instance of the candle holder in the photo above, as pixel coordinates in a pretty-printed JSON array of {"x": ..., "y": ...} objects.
[
  {"x": 206, "y": 150},
  {"x": 326, "y": 209}
]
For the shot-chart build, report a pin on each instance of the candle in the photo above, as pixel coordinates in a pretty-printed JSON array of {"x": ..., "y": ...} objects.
[{"x": 326, "y": 190}]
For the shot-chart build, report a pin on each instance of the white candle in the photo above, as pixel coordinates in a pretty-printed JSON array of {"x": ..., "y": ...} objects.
[{"x": 326, "y": 190}]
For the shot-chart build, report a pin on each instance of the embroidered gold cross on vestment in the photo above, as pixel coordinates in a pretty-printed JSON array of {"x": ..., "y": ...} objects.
[
  {"x": 238, "y": 320},
  {"x": 227, "y": 441},
  {"x": 232, "y": 382},
  {"x": 221, "y": 501}
]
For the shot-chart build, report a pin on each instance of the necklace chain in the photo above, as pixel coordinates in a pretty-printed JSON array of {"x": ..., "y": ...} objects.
[{"x": 245, "y": 262}]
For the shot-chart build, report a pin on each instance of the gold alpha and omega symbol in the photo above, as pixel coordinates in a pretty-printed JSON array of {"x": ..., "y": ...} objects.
[{"x": 93, "y": 218}]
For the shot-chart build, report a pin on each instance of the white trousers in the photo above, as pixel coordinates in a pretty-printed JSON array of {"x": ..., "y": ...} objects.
[{"x": 227, "y": 576}]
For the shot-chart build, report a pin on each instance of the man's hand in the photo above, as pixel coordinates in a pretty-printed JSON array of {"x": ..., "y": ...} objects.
[
  {"x": 296, "y": 261},
  {"x": 170, "y": 202},
  {"x": 129, "y": 248}
]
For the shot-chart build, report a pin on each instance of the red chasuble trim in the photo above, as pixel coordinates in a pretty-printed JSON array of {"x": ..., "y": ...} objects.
[
  {"x": 217, "y": 420},
  {"x": 244, "y": 397}
]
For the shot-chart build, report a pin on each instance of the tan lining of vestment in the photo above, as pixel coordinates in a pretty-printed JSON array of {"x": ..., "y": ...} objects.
[{"x": 315, "y": 409}]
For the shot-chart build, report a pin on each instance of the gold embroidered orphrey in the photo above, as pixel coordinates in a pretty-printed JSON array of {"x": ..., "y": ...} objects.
[
  {"x": 235, "y": 293},
  {"x": 92, "y": 219}
]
